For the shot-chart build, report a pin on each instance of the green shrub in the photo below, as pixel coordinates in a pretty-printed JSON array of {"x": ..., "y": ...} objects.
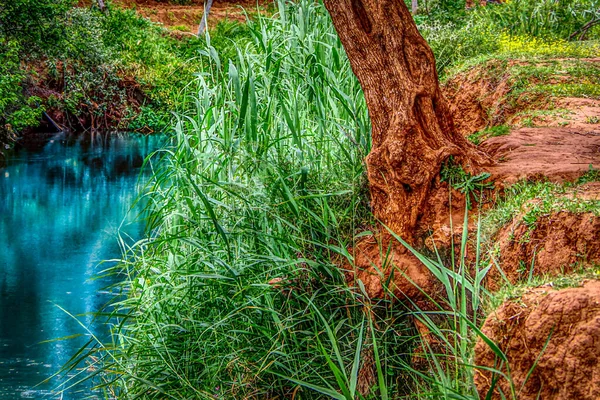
[
  {"x": 540, "y": 18},
  {"x": 453, "y": 44},
  {"x": 16, "y": 110},
  {"x": 36, "y": 23}
]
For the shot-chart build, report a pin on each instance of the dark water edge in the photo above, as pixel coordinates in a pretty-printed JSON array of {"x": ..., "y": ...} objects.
[{"x": 64, "y": 201}]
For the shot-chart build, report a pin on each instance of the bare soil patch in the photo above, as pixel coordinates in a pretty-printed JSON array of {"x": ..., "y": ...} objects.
[
  {"x": 552, "y": 342},
  {"x": 474, "y": 95},
  {"x": 570, "y": 112},
  {"x": 379, "y": 267},
  {"x": 185, "y": 18},
  {"x": 558, "y": 154}
]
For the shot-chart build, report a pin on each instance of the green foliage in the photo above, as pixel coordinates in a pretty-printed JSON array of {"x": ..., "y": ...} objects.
[
  {"x": 469, "y": 185},
  {"x": 592, "y": 175},
  {"x": 16, "y": 110},
  {"x": 519, "y": 28},
  {"x": 453, "y": 43},
  {"x": 500, "y": 130},
  {"x": 110, "y": 71},
  {"x": 442, "y": 11},
  {"x": 35, "y": 23},
  {"x": 452, "y": 322},
  {"x": 541, "y": 18}
]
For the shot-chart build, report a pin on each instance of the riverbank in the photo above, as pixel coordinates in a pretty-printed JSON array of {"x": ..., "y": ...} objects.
[{"x": 113, "y": 71}]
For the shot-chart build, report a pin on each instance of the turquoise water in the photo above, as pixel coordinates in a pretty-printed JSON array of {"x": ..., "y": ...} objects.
[{"x": 63, "y": 202}]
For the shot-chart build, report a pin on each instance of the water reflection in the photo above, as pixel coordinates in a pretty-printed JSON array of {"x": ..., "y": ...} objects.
[{"x": 61, "y": 206}]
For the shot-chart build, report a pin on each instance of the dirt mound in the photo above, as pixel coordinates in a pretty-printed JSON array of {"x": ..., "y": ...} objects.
[
  {"x": 479, "y": 97},
  {"x": 472, "y": 94},
  {"x": 396, "y": 270},
  {"x": 570, "y": 112},
  {"x": 551, "y": 340},
  {"x": 554, "y": 244},
  {"x": 559, "y": 154},
  {"x": 524, "y": 94}
]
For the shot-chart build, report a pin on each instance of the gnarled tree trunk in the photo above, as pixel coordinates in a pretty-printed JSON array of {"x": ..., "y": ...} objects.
[
  {"x": 204, "y": 21},
  {"x": 412, "y": 127}
]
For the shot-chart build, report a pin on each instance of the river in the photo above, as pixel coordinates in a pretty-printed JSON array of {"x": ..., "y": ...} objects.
[{"x": 63, "y": 203}]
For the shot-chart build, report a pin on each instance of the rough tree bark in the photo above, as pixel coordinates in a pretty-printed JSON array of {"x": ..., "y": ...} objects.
[
  {"x": 204, "y": 21},
  {"x": 413, "y": 132}
]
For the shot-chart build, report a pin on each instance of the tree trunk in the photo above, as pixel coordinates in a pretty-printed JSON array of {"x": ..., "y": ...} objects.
[
  {"x": 414, "y": 6},
  {"x": 413, "y": 132},
  {"x": 204, "y": 22}
]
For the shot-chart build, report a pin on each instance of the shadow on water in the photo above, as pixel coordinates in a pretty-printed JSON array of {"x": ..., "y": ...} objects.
[{"x": 63, "y": 201}]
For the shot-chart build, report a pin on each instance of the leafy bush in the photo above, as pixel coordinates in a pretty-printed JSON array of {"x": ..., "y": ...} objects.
[
  {"x": 36, "y": 23},
  {"x": 452, "y": 44},
  {"x": 541, "y": 18},
  {"x": 16, "y": 110}
]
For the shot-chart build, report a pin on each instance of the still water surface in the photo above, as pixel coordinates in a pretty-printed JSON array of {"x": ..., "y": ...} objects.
[{"x": 63, "y": 202}]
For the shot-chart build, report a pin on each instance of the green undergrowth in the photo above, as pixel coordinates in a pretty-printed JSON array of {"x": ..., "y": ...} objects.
[
  {"x": 495, "y": 131},
  {"x": 110, "y": 71},
  {"x": 529, "y": 201},
  {"x": 552, "y": 282}
]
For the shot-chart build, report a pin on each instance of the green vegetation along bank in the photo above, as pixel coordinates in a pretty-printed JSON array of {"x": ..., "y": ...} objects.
[{"x": 86, "y": 69}]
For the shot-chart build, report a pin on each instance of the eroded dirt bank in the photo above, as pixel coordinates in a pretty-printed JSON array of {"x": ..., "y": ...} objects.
[{"x": 551, "y": 340}]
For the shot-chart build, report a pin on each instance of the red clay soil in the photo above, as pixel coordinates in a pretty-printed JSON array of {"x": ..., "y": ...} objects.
[
  {"x": 558, "y": 154},
  {"x": 559, "y": 144},
  {"x": 481, "y": 98},
  {"x": 569, "y": 112},
  {"x": 402, "y": 273},
  {"x": 478, "y": 97},
  {"x": 557, "y": 244},
  {"x": 552, "y": 342}
]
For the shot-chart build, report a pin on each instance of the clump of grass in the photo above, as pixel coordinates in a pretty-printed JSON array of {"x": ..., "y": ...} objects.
[
  {"x": 593, "y": 120},
  {"x": 531, "y": 200},
  {"x": 451, "y": 323},
  {"x": 592, "y": 175},
  {"x": 494, "y": 131}
]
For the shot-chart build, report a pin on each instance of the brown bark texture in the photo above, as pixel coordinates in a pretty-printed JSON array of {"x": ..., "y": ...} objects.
[{"x": 413, "y": 132}]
